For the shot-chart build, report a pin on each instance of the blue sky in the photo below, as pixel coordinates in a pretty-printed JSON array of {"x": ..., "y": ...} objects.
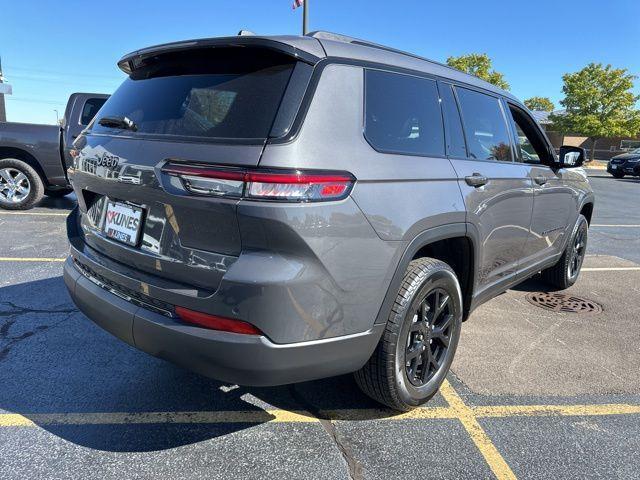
[{"x": 51, "y": 49}]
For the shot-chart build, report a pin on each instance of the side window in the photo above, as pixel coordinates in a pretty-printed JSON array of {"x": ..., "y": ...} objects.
[
  {"x": 486, "y": 131},
  {"x": 531, "y": 146},
  {"x": 453, "y": 125},
  {"x": 90, "y": 109},
  {"x": 402, "y": 114}
]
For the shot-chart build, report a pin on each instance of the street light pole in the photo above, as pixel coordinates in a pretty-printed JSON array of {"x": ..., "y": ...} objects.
[{"x": 305, "y": 18}]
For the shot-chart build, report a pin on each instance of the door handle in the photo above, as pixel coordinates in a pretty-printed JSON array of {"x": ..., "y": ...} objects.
[
  {"x": 540, "y": 180},
  {"x": 476, "y": 180}
]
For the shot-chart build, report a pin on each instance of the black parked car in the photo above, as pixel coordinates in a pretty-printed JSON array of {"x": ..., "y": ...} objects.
[{"x": 625, "y": 164}]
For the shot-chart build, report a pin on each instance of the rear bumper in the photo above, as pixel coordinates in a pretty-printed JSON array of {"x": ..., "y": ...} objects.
[{"x": 242, "y": 359}]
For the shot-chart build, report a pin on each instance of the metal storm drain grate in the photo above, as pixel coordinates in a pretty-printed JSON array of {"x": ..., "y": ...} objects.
[{"x": 560, "y": 302}]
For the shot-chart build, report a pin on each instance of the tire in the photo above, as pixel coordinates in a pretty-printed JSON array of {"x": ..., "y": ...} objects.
[
  {"x": 390, "y": 376},
  {"x": 566, "y": 272},
  {"x": 59, "y": 193},
  {"x": 618, "y": 175},
  {"x": 20, "y": 185}
]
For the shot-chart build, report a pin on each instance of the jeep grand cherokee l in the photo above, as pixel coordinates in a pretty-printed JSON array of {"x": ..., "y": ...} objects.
[{"x": 280, "y": 209}]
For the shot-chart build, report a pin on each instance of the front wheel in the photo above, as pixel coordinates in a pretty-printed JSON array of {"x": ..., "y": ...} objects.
[
  {"x": 20, "y": 185},
  {"x": 618, "y": 175},
  {"x": 565, "y": 273},
  {"x": 417, "y": 347}
]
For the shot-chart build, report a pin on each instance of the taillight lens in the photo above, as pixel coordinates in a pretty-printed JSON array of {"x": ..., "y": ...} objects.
[
  {"x": 288, "y": 186},
  {"x": 214, "y": 322}
]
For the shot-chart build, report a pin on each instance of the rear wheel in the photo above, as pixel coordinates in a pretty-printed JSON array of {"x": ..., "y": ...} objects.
[
  {"x": 419, "y": 342},
  {"x": 20, "y": 185},
  {"x": 565, "y": 273}
]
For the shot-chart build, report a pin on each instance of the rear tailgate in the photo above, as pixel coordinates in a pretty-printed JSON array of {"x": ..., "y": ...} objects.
[{"x": 209, "y": 107}]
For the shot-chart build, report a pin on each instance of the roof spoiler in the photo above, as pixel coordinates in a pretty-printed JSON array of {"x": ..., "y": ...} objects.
[{"x": 132, "y": 61}]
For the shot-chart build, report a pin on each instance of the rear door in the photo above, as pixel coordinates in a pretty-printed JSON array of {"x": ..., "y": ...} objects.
[
  {"x": 497, "y": 191},
  {"x": 555, "y": 201}
]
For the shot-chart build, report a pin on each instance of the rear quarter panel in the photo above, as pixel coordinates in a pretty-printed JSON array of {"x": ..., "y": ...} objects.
[{"x": 398, "y": 196}]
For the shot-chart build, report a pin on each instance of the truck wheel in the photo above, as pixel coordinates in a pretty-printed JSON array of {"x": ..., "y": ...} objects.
[
  {"x": 20, "y": 185},
  {"x": 419, "y": 342},
  {"x": 618, "y": 175},
  {"x": 59, "y": 193},
  {"x": 565, "y": 273}
]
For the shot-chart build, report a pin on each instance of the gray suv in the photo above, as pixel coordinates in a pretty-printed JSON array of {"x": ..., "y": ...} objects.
[{"x": 270, "y": 210}]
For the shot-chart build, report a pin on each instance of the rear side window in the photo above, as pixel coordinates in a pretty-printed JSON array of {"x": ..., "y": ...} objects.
[
  {"x": 402, "y": 114},
  {"x": 485, "y": 126},
  {"x": 455, "y": 137},
  {"x": 90, "y": 109},
  {"x": 213, "y": 95}
]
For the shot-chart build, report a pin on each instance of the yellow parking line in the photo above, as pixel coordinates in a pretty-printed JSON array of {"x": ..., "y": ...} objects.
[
  {"x": 551, "y": 410},
  {"x": 426, "y": 413},
  {"x": 126, "y": 418},
  {"x": 31, "y": 259},
  {"x": 457, "y": 409},
  {"x": 492, "y": 456},
  {"x": 46, "y": 214}
]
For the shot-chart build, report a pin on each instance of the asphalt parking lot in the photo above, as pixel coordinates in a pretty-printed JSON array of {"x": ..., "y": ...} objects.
[{"x": 534, "y": 393}]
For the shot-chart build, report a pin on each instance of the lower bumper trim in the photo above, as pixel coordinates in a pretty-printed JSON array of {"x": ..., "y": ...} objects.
[{"x": 242, "y": 359}]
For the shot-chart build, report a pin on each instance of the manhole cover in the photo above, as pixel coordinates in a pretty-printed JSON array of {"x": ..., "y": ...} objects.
[{"x": 560, "y": 302}]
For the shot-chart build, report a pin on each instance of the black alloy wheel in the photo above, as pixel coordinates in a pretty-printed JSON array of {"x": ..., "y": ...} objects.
[
  {"x": 578, "y": 251},
  {"x": 429, "y": 337},
  {"x": 420, "y": 338}
]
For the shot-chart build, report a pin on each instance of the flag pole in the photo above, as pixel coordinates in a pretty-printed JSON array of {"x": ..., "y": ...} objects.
[{"x": 305, "y": 18}]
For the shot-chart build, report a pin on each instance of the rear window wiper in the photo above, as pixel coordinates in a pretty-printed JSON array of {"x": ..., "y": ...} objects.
[{"x": 124, "y": 123}]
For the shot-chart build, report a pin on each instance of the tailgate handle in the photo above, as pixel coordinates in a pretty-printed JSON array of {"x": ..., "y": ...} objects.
[{"x": 476, "y": 180}]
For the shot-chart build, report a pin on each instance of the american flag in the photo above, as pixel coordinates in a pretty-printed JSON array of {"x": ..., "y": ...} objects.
[{"x": 297, "y": 3}]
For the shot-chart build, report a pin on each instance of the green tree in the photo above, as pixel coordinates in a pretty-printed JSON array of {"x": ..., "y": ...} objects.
[
  {"x": 480, "y": 65},
  {"x": 543, "y": 104},
  {"x": 599, "y": 103}
]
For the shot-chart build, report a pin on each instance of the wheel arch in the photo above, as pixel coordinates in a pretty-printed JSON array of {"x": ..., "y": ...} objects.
[
  {"x": 454, "y": 244},
  {"x": 26, "y": 157},
  {"x": 587, "y": 210}
]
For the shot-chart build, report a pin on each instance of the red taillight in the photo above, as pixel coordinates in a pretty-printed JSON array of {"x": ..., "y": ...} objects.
[
  {"x": 215, "y": 322},
  {"x": 291, "y": 186}
]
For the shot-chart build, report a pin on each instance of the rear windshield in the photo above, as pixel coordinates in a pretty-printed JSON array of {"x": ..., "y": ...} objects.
[{"x": 212, "y": 95}]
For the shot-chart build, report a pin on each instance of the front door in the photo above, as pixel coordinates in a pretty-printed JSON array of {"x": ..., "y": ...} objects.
[{"x": 554, "y": 201}]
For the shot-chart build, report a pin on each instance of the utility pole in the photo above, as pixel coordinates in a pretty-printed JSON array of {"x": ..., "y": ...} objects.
[
  {"x": 305, "y": 18},
  {"x": 3, "y": 110}
]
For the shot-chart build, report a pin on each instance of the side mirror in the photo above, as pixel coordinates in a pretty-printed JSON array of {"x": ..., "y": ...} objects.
[{"x": 571, "y": 157}]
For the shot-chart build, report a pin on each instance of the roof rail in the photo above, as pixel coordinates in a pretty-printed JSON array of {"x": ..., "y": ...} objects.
[{"x": 337, "y": 37}]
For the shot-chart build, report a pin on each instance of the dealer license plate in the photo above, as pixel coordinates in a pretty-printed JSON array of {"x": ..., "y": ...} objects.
[{"x": 123, "y": 222}]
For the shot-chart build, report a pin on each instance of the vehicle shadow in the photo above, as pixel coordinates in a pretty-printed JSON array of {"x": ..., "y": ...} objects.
[
  {"x": 65, "y": 203},
  {"x": 53, "y": 360},
  {"x": 534, "y": 284}
]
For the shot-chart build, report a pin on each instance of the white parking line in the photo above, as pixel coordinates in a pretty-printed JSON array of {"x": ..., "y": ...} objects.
[
  {"x": 45, "y": 214},
  {"x": 615, "y": 226},
  {"x": 610, "y": 269}
]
